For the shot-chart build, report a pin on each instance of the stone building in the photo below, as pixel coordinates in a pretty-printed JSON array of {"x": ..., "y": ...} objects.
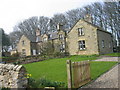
[
  {"x": 83, "y": 38},
  {"x": 55, "y": 40},
  {"x": 27, "y": 46}
]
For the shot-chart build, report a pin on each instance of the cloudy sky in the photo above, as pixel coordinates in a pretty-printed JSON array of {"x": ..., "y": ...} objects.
[{"x": 14, "y": 11}]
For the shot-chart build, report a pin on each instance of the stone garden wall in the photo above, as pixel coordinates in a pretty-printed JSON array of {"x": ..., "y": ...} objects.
[{"x": 13, "y": 76}]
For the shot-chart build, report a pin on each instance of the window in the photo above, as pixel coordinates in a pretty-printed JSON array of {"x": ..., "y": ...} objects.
[
  {"x": 45, "y": 39},
  {"x": 62, "y": 47},
  {"x": 23, "y": 42},
  {"x": 50, "y": 36},
  {"x": 61, "y": 37},
  {"x": 82, "y": 45},
  {"x": 37, "y": 39},
  {"x": 80, "y": 32},
  {"x": 34, "y": 52},
  {"x": 103, "y": 44},
  {"x": 109, "y": 44},
  {"x": 23, "y": 52}
]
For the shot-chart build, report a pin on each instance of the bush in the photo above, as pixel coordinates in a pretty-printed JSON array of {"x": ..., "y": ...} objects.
[
  {"x": 32, "y": 83},
  {"x": 59, "y": 54},
  {"x": 56, "y": 54},
  {"x": 4, "y": 88},
  {"x": 16, "y": 63},
  {"x": 16, "y": 55},
  {"x": 43, "y": 82}
]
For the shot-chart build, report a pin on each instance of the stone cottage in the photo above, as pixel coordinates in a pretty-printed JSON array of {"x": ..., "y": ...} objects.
[
  {"x": 27, "y": 46},
  {"x": 56, "y": 40},
  {"x": 83, "y": 38}
]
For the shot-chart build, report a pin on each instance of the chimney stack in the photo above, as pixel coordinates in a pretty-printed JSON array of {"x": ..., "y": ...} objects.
[
  {"x": 38, "y": 32},
  {"x": 59, "y": 27},
  {"x": 88, "y": 18}
]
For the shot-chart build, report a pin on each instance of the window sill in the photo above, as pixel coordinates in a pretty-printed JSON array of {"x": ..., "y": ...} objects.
[
  {"x": 82, "y": 49},
  {"x": 81, "y": 35}
]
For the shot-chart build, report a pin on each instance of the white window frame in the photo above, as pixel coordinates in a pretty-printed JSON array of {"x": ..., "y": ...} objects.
[
  {"x": 82, "y": 45},
  {"x": 62, "y": 47},
  {"x": 61, "y": 37},
  {"x": 103, "y": 43},
  {"x": 80, "y": 32}
]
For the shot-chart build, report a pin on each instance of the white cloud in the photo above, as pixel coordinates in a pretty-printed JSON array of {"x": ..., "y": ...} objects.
[{"x": 12, "y": 11}]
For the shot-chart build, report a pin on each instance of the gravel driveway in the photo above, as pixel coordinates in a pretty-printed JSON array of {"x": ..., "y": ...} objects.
[{"x": 109, "y": 79}]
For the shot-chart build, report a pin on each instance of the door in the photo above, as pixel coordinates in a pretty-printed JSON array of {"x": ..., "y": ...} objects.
[{"x": 34, "y": 52}]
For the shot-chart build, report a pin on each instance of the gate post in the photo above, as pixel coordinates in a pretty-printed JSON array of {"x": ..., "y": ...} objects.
[{"x": 69, "y": 74}]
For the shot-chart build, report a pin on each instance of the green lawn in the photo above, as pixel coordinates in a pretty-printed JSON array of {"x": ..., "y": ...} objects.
[
  {"x": 55, "y": 69},
  {"x": 113, "y": 54}
]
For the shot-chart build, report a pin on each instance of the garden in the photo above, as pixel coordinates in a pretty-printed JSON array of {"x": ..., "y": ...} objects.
[{"x": 52, "y": 72}]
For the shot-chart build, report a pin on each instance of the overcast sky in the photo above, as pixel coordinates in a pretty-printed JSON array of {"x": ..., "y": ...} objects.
[{"x": 14, "y": 11}]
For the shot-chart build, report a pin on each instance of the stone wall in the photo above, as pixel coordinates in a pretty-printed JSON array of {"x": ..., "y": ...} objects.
[{"x": 13, "y": 76}]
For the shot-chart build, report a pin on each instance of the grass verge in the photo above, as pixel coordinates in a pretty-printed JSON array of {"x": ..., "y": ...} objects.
[
  {"x": 55, "y": 69},
  {"x": 113, "y": 54}
]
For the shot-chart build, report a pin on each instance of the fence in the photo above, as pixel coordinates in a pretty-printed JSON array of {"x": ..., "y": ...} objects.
[{"x": 78, "y": 73}]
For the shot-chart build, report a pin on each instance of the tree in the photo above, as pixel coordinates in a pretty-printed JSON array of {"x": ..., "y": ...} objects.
[
  {"x": 46, "y": 48},
  {"x": 58, "y": 19},
  {"x": 14, "y": 38},
  {"x": 73, "y": 16},
  {"x": 5, "y": 41},
  {"x": 105, "y": 15}
]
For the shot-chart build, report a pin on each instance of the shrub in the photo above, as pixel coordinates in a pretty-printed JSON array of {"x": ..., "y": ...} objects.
[
  {"x": 43, "y": 82},
  {"x": 15, "y": 54},
  {"x": 16, "y": 63},
  {"x": 32, "y": 83},
  {"x": 56, "y": 54},
  {"x": 4, "y": 88},
  {"x": 59, "y": 54}
]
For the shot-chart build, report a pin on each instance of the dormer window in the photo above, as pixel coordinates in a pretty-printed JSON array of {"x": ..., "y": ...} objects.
[
  {"x": 50, "y": 36},
  {"x": 23, "y": 42},
  {"x": 61, "y": 37},
  {"x": 80, "y": 32}
]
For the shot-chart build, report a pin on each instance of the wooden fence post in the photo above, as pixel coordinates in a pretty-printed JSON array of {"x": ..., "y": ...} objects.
[{"x": 69, "y": 74}]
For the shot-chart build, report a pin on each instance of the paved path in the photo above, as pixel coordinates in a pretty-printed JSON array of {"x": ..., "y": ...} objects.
[
  {"x": 107, "y": 80},
  {"x": 108, "y": 59}
]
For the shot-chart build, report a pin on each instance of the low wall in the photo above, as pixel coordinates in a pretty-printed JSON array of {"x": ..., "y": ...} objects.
[{"x": 13, "y": 76}]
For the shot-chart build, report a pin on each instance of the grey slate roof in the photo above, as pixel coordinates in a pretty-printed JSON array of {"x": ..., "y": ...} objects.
[
  {"x": 54, "y": 35},
  {"x": 99, "y": 28},
  {"x": 31, "y": 38},
  {"x": 38, "y": 39}
]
